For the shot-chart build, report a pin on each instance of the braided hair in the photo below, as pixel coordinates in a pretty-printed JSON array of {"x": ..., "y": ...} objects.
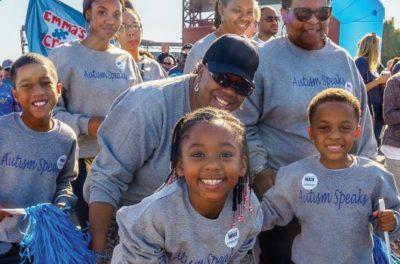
[{"x": 210, "y": 115}]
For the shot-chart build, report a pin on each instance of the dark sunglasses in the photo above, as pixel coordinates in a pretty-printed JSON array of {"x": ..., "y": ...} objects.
[
  {"x": 240, "y": 86},
  {"x": 304, "y": 14},
  {"x": 272, "y": 19},
  {"x": 167, "y": 63}
]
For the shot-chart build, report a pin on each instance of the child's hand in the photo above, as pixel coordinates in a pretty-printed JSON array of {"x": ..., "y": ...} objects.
[
  {"x": 3, "y": 214},
  {"x": 387, "y": 220}
]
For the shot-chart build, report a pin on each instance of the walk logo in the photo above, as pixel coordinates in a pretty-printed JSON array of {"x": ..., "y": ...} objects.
[{"x": 60, "y": 30}]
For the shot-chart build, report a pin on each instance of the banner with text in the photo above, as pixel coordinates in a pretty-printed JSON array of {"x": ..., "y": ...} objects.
[{"x": 50, "y": 23}]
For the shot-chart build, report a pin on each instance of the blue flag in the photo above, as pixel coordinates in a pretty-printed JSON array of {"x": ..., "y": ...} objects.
[{"x": 50, "y": 23}]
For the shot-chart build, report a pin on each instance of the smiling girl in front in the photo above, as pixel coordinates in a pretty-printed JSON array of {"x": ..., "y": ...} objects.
[
  {"x": 205, "y": 213},
  {"x": 334, "y": 194}
]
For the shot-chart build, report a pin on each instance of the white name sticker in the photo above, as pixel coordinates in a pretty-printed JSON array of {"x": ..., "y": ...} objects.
[
  {"x": 309, "y": 181},
  {"x": 61, "y": 162},
  {"x": 232, "y": 237}
]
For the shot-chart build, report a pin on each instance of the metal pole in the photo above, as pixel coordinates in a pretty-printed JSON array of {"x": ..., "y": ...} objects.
[{"x": 24, "y": 42}]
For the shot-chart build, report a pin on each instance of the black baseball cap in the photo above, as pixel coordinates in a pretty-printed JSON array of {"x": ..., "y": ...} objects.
[{"x": 233, "y": 54}]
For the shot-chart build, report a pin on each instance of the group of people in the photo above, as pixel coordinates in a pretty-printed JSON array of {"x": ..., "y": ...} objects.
[{"x": 257, "y": 145}]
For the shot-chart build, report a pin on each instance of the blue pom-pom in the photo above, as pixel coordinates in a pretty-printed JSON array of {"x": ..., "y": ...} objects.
[
  {"x": 381, "y": 255},
  {"x": 51, "y": 237}
]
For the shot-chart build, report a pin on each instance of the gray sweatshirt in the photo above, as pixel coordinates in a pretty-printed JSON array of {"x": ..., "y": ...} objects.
[
  {"x": 333, "y": 208},
  {"x": 150, "y": 70},
  {"x": 35, "y": 167},
  {"x": 165, "y": 228},
  {"x": 286, "y": 80},
  {"x": 198, "y": 51},
  {"x": 90, "y": 87},
  {"x": 135, "y": 141}
]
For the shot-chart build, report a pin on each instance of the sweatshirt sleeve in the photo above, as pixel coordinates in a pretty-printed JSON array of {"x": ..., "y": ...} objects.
[
  {"x": 69, "y": 172},
  {"x": 391, "y": 109},
  {"x": 386, "y": 189},
  {"x": 140, "y": 241},
  {"x": 192, "y": 59},
  {"x": 276, "y": 203},
  {"x": 127, "y": 138},
  {"x": 252, "y": 236},
  {"x": 78, "y": 122},
  {"x": 250, "y": 114},
  {"x": 137, "y": 77},
  {"x": 366, "y": 145}
]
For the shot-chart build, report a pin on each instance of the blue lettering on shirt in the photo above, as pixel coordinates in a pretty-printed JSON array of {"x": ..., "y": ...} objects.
[
  {"x": 317, "y": 81},
  {"x": 183, "y": 258},
  {"x": 339, "y": 198},
  {"x": 92, "y": 74},
  {"x": 18, "y": 162}
]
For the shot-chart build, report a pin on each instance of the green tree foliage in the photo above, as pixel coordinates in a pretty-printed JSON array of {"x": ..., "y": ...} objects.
[{"x": 390, "y": 41}]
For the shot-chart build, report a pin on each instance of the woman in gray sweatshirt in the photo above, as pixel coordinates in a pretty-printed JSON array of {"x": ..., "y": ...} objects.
[
  {"x": 135, "y": 138},
  {"x": 90, "y": 86},
  {"x": 231, "y": 17}
]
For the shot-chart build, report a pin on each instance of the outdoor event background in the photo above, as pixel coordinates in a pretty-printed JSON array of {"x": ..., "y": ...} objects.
[{"x": 162, "y": 21}]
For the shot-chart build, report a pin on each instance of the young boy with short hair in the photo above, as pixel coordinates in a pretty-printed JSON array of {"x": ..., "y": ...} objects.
[
  {"x": 38, "y": 154},
  {"x": 335, "y": 194}
]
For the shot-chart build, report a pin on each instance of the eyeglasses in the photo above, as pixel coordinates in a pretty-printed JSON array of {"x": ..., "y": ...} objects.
[
  {"x": 270, "y": 19},
  {"x": 167, "y": 63},
  {"x": 304, "y": 14},
  {"x": 126, "y": 27},
  {"x": 238, "y": 84},
  {"x": 7, "y": 69}
]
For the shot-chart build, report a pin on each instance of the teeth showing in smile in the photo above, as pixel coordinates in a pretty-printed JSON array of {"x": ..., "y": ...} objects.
[
  {"x": 334, "y": 148},
  {"x": 39, "y": 103},
  {"x": 211, "y": 182},
  {"x": 221, "y": 101}
]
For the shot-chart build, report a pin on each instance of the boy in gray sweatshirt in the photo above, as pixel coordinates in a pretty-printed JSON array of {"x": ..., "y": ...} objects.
[
  {"x": 334, "y": 195},
  {"x": 38, "y": 154}
]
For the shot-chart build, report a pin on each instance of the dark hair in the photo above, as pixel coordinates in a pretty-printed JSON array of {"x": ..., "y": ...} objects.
[
  {"x": 217, "y": 16},
  {"x": 87, "y": 5},
  {"x": 211, "y": 115},
  {"x": 288, "y": 3},
  {"x": 129, "y": 4},
  {"x": 334, "y": 95},
  {"x": 31, "y": 58}
]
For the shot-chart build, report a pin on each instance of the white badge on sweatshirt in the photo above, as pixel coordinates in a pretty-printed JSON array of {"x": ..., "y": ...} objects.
[
  {"x": 232, "y": 237},
  {"x": 121, "y": 63},
  {"x": 349, "y": 87},
  {"x": 309, "y": 181},
  {"x": 61, "y": 161}
]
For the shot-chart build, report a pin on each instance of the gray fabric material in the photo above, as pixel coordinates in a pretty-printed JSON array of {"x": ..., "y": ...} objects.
[
  {"x": 391, "y": 112},
  {"x": 334, "y": 215},
  {"x": 90, "y": 87},
  {"x": 394, "y": 167},
  {"x": 287, "y": 78},
  {"x": 197, "y": 52},
  {"x": 35, "y": 167},
  {"x": 135, "y": 141},
  {"x": 150, "y": 70},
  {"x": 165, "y": 228}
]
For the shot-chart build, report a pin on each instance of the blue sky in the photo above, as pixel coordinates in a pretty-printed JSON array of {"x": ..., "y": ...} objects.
[{"x": 161, "y": 20}]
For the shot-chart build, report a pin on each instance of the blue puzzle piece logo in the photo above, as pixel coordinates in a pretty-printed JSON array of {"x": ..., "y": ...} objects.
[{"x": 60, "y": 34}]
